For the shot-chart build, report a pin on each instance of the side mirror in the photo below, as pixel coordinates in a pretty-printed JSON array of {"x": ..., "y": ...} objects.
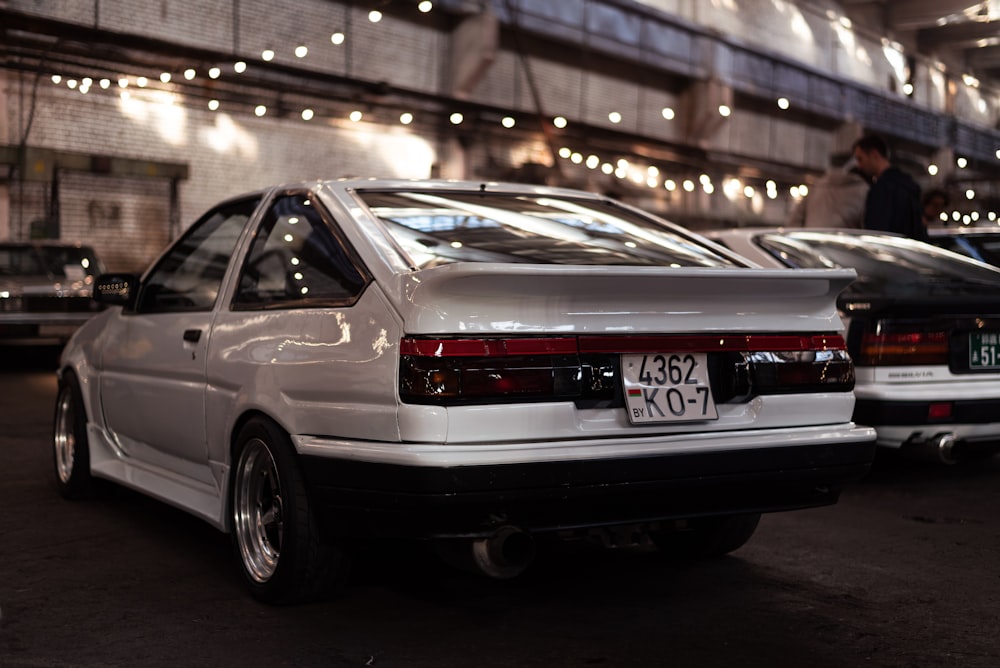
[{"x": 116, "y": 289}]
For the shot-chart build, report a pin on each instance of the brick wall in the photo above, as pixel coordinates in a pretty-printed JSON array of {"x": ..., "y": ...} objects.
[{"x": 231, "y": 151}]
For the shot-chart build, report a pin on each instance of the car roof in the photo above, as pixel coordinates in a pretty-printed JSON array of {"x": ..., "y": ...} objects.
[
  {"x": 375, "y": 183},
  {"x": 962, "y": 231},
  {"x": 42, "y": 243}
]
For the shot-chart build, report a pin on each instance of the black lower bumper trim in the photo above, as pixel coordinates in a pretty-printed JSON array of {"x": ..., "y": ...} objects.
[
  {"x": 879, "y": 412},
  {"x": 546, "y": 496}
]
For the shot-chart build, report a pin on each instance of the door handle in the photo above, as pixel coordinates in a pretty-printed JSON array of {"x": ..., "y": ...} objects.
[{"x": 192, "y": 335}]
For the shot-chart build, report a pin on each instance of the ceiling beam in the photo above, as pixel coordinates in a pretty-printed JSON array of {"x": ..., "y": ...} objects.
[
  {"x": 986, "y": 58},
  {"x": 918, "y": 14},
  {"x": 964, "y": 35}
]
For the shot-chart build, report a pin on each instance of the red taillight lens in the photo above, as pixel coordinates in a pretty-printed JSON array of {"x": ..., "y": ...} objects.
[
  {"x": 585, "y": 369},
  {"x": 801, "y": 371},
  {"x": 903, "y": 348},
  {"x": 470, "y": 378}
]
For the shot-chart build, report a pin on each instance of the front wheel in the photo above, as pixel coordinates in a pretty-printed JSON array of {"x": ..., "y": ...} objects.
[
  {"x": 706, "y": 537},
  {"x": 276, "y": 536},
  {"x": 70, "y": 449}
]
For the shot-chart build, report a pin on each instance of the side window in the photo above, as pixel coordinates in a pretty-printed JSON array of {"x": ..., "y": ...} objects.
[
  {"x": 189, "y": 276},
  {"x": 297, "y": 260}
]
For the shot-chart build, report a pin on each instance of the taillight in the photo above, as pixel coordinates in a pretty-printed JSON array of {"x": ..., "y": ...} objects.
[
  {"x": 800, "y": 371},
  {"x": 586, "y": 369},
  {"x": 888, "y": 348}
]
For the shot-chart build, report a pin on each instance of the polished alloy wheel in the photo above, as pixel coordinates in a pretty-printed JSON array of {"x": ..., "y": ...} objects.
[
  {"x": 258, "y": 510},
  {"x": 64, "y": 439}
]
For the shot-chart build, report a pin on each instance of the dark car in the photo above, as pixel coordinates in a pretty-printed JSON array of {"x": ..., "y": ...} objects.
[
  {"x": 980, "y": 243},
  {"x": 923, "y": 328},
  {"x": 45, "y": 289}
]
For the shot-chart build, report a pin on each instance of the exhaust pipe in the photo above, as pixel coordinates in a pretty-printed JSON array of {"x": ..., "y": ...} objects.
[
  {"x": 504, "y": 554},
  {"x": 945, "y": 446},
  {"x": 941, "y": 448}
]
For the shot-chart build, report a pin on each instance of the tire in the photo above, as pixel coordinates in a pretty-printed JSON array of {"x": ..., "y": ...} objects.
[
  {"x": 707, "y": 537},
  {"x": 276, "y": 536},
  {"x": 70, "y": 448}
]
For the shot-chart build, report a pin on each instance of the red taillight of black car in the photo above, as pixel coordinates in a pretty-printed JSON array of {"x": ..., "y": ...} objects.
[
  {"x": 586, "y": 369},
  {"x": 903, "y": 348}
]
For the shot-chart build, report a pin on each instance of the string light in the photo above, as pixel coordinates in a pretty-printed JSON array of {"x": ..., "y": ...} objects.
[{"x": 648, "y": 175}]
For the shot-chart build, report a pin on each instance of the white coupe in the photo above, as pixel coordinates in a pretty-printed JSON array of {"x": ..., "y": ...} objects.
[{"x": 473, "y": 363}]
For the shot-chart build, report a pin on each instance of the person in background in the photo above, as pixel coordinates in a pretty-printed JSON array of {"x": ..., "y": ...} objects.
[
  {"x": 893, "y": 202},
  {"x": 837, "y": 199},
  {"x": 934, "y": 203}
]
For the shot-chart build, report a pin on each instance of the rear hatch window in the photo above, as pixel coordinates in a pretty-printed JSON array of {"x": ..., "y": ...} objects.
[{"x": 434, "y": 228}]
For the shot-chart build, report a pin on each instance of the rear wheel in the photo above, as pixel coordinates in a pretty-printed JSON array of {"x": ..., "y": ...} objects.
[
  {"x": 276, "y": 535},
  {"x": 70, "y": 449},
  {"x": 705, "y": 537}
]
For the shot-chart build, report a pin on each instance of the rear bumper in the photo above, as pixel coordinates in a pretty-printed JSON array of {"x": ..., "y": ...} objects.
[
  {"x": 31, "y": 325},
  {"x": 892, "y": 413},
  {"x": 426, "y": 497},
  {"x": 901, "y": 422}
]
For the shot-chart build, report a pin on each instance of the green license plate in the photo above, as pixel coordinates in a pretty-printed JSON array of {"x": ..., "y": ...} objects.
[{"x": 984, "y": 350}]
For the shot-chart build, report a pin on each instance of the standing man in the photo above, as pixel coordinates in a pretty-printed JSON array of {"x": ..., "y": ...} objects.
[{"x": 893, "y": 202}]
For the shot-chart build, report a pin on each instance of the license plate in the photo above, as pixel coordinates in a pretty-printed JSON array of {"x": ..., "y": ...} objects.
[
  {"x": 667, "y": 387},
  {"x": 984, "y": 350}
]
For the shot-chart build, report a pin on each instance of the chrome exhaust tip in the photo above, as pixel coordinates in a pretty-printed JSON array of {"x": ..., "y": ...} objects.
[{"x": 504, "y": 554}]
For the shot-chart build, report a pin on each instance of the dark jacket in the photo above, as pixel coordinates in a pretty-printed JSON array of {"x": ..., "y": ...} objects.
[{"x": 893, "y": 205}]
